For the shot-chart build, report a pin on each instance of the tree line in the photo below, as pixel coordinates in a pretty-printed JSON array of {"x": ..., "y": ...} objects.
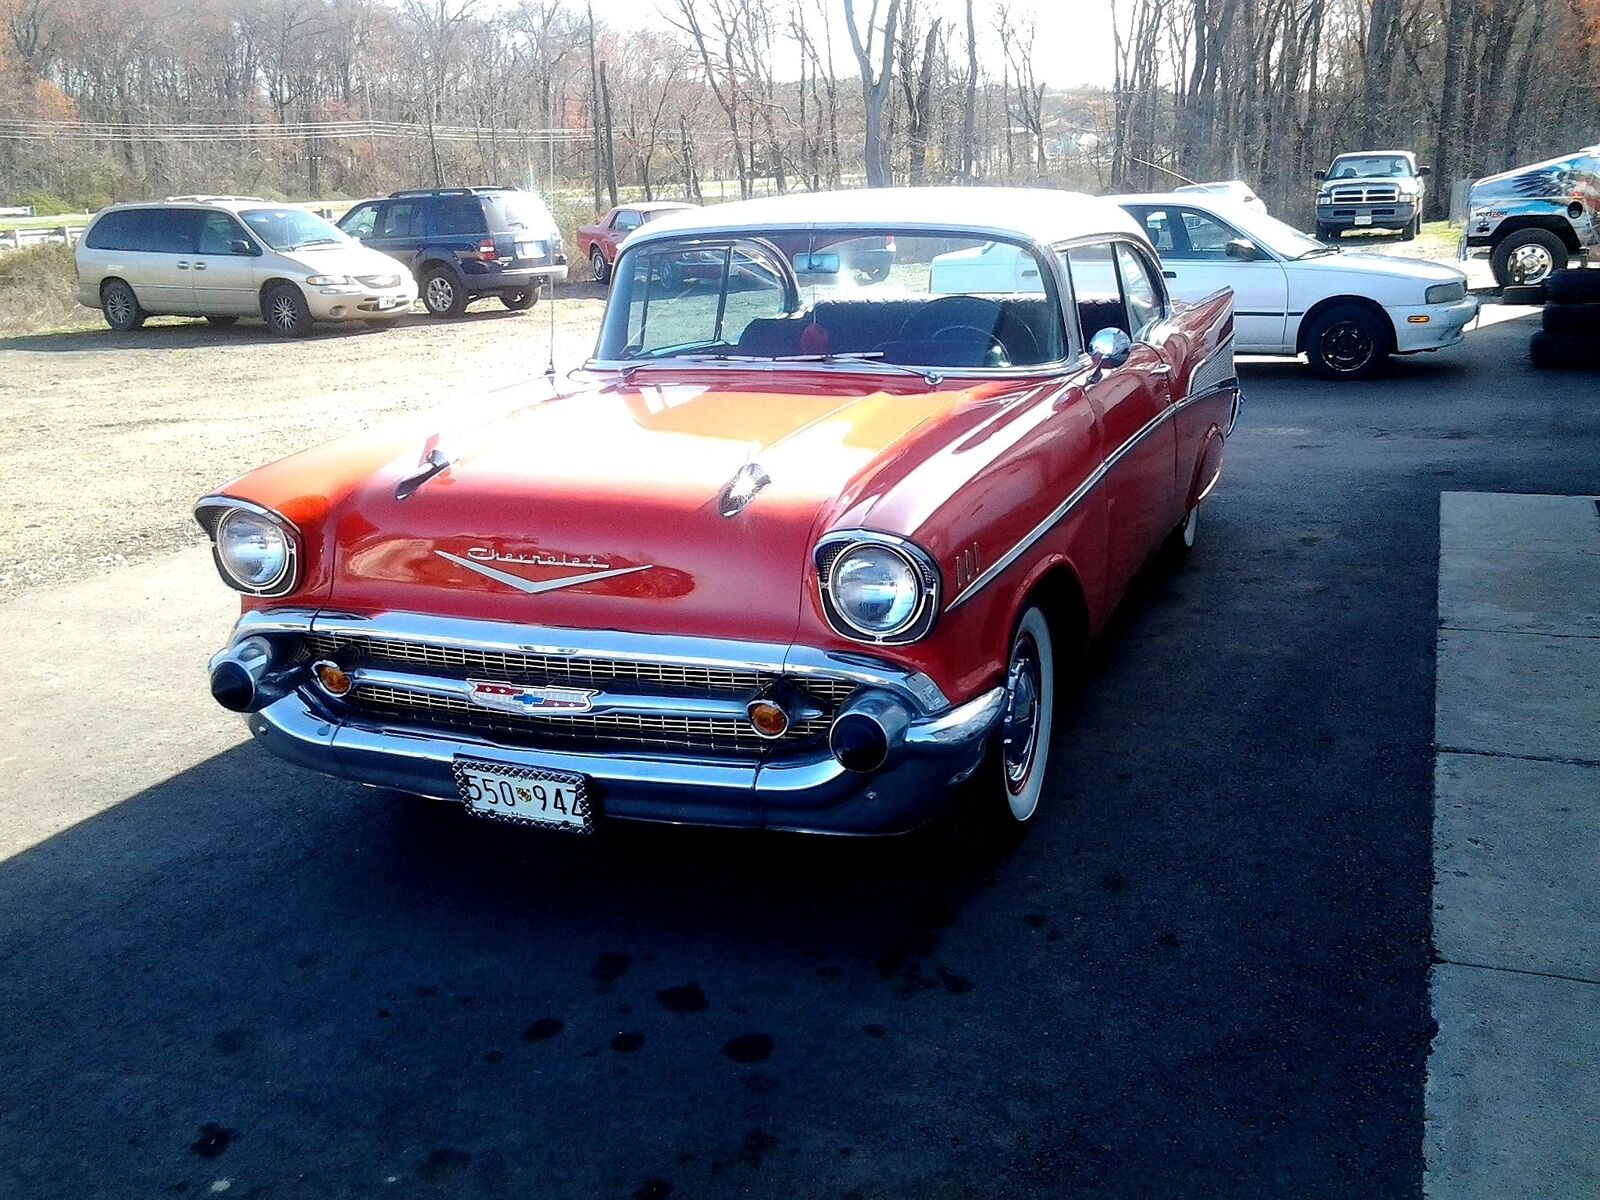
[{"x": 114, "y": 99}]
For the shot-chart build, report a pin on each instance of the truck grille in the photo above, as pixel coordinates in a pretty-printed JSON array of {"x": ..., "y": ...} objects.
[
  {"x": 666, "y": 731},
  {"x": 1379, "y": 193}
]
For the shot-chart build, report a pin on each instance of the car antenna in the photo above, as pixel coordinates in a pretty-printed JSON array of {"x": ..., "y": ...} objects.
[{"x": 550, "y": 367}]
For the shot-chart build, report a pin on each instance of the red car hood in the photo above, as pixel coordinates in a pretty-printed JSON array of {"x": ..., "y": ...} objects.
[{"x": 601, "y": 509}]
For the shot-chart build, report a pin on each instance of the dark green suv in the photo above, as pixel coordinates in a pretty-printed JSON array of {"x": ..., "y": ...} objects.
[{"x": 466, "y": 242}]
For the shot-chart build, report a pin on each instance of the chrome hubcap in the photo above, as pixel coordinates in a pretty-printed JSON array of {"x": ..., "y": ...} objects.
[
  {"x": 1530, "y": 264},
  {"x": 1346, "y": 346},
  {"x": 598, "y": 264},
  {"x": 440, "y": 294},
  {"x": 117, "y": 305},
  {"x": 1020, "y": 730},
  {"x": 284, "y": 315}
]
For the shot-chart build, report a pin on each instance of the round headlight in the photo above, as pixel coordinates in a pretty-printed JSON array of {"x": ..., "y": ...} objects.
[
  {"x": 253, "y": 550},
  {"x": 875, "y": 589}
]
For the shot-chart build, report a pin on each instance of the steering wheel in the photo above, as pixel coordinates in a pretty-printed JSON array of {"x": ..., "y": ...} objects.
[{"x": 974, "y": 317}]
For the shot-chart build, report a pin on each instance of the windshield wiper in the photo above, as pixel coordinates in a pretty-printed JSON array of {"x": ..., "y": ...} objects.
[
  {"x": 1315, "y": 250},
  {"x": 874, "y": 357},
  {"x": 319, "y": 242}
]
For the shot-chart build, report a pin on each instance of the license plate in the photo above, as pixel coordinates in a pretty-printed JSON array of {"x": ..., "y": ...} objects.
[
  {"x": 524, "y": 795},
  {"x": 1363, "y": 218},
  {"x": 530, "y": 249}
]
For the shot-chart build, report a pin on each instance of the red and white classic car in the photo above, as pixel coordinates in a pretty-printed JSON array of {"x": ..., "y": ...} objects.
[{"x": 802, "y": 549}]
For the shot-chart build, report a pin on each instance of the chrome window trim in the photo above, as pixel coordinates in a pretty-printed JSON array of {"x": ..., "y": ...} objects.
[{"x": 671, "y": 649}]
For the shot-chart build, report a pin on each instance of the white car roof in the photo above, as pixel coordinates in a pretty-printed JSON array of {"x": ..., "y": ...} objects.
[
  {"x": 1026, "y": 214},
  {"x": 1221, "y": 201}
]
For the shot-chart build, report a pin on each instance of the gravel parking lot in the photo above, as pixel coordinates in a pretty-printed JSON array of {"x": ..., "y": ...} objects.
[{"x": 109, "y": 438}]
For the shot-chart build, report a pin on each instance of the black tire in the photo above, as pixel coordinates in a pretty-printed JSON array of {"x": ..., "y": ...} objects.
[
  {"x": 284, "y": 310},
  {"x": 994, "y": 804},
  {"x": 519, "y": 301},
  {"x": 1582, "y": 320},
  {"x": 1564, "y": 350},
  {"x": 1324, "y": 234},
  {"x": 1523, "y": 294},
  {"x": 877, "y": 274},
  {"x": 1348, "y": 341},
  {"x": 1409, "y": 233},
  {"x": 120, "y": 307},
  {"x": 1528, "y": 256},
  {"x": 221, "y": 322},
  {"x": 442, "y": 293},
  {"x": 598, "y": 266},
  {"x": 1334, "y": 234},
  {"x": 1574, "y": 287}
]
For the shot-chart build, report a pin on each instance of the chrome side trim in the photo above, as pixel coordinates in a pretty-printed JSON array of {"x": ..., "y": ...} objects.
[{"x": 1062, "y": 509}]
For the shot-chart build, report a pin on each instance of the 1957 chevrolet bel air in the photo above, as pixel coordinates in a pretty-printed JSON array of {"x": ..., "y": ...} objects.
[{"x": 803, "y": 549}]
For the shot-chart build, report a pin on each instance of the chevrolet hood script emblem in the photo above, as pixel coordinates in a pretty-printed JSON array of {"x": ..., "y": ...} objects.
[{"x": 535, "y": 586}]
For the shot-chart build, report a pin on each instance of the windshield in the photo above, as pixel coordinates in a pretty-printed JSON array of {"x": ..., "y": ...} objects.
[
  {"x": 291, "y": 228},
  {"x": 1371, "y": 166},
  {"x": 899, "y": 298}
]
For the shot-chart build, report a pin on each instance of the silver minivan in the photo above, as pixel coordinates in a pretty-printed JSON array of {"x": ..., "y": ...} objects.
[{"x": 225, "y": 257}]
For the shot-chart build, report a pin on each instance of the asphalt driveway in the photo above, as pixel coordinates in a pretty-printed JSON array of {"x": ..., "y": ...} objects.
[{"x": 1202, "y": 974}]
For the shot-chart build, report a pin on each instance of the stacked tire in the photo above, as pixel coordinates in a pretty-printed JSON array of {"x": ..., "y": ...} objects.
[{"x": 1570, "y": 336}]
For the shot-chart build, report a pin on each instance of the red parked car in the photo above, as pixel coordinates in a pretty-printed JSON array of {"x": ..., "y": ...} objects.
[
  {"x": 798, "y": 551},
  {"x": 601, "y": 241}
]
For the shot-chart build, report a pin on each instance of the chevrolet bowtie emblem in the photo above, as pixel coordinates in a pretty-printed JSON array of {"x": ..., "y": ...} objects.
[{"x": 534, "y": 586}]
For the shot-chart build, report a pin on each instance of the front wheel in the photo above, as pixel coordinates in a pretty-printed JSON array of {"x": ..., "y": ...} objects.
[
  {"x": 1347, "y": 342},
  {"x": 1528, "y": 256},
  {"x": 284, "y": 310},
  {"x": 1409, "y": 233},
  {"x": 442, "y": 294},
  {"x": 121, "y": 307}
]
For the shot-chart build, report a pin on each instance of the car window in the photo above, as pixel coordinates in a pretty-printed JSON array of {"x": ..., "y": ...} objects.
[
  {"x": 167, "y": 230},
  {"x": 115, "y": 231},
  {"x": 218, "y": 233},
  {"x": 684, "y": 300},
  {"x": 627, "y": 219},
  {"x": 459, "y": 214},
  {"x": 1186, "y": 234},
  {"x": 399, "y": 219},
  {"x": 360, "y": 221},
  {"x": 1139, "y": 288},
  {"x": 1097, "y": 289},
  {"x": 1159, "y": 227}
]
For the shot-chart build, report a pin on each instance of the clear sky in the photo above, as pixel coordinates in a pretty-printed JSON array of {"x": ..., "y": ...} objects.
[{"x": 1073, "y": 45}]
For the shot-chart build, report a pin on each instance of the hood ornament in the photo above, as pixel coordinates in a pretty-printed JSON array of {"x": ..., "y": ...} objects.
[
  {"x": 534, "y": 587},
  {"x": 741, "y": 489}
]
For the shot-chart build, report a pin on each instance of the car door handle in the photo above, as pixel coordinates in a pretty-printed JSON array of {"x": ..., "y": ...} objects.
[
  {"x": 199, "y": 266},
  {"x": 183, "y": 266},
  {"x": 1169, "y": 274}
]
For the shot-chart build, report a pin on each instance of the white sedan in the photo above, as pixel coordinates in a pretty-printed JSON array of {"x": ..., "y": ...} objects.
[{"x": 1346, "y": 311}]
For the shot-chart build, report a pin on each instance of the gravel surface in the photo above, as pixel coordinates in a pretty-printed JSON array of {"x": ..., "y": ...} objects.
[{"x": 108, "y": 439}]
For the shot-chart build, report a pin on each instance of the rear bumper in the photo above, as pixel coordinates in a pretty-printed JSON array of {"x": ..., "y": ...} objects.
[
  {"x": 1445, "y": 325},
  {"x": 807, "y": 791},
  {"x": 490, "y": 279}
]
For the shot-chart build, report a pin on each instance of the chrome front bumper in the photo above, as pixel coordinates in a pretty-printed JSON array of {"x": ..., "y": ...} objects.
[{"x": 807, "y": 791}]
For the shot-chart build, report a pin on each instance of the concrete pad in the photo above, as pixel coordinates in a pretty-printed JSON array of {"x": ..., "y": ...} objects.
[
  {"x": 1498, "y": 521},
  {"x": 1515, "y": 846},
  {"x": 1520, "y": 591},
  {"x": 1518, "y": 693},
  {"x": 1512, "y": 1106},
  {"x": 124, "y": 653}
]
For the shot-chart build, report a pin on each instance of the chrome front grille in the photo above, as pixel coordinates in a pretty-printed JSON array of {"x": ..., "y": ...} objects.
[
  {"x": 1381, "y": 193},
  {"x": 603, "y": 675}
]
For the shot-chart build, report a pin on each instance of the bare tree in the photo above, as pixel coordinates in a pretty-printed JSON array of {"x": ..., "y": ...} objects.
[{"x": 875, "y": 83}]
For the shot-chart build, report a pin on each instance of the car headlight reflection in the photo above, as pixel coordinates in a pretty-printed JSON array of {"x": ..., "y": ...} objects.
[
  {"x": 256, "y": 551},
  {"x": 1445, "y": 293}
]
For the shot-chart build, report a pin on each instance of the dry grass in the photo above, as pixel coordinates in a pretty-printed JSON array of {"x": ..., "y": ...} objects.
[{"x": 36, "y": 290}]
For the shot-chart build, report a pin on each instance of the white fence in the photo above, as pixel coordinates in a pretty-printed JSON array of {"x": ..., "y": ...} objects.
[{"x": 16, "y": 239}]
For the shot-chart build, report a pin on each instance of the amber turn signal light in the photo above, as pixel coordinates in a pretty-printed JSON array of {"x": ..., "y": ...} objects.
[
  {"x": 1418, "y": 319},
  {"x": 770, "y": 721},
  {"x": 333, "y": 678}
]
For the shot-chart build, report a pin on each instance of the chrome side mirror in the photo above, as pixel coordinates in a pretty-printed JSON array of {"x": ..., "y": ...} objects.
[{"x": 1108, "y": 348}]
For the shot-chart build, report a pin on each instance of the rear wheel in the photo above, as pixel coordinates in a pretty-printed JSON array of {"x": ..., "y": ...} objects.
[
  {"x": 598, "y": 267},
  {"x": 222, "y": 322},
  {"x": 442, "y": 293},
  {"x": 1182, "y": 539},
  {"x": 1347, "y": 342},
  {"x": 121, "y": 307},
  {"x": 284, "y": 310},
  {"x": 519, "y": 301},
  {"x": 1528, "y": 256}
]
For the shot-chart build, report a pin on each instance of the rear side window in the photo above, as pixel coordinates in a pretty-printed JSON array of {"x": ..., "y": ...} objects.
[
  {"x": 150, "y": 230},
  {"x": 627, "y": 219},
  {"x": 459, "y": 214},
  {"x": 519, "y": 212},
  {"x": 399, "y": 219}
]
